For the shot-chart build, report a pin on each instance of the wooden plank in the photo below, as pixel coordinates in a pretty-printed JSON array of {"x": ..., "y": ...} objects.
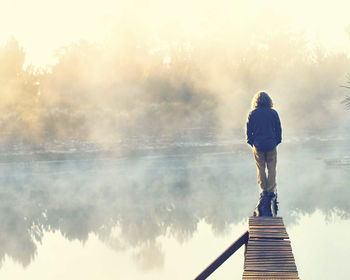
[
  {"x": 270, "y": 273},
  {"x": 269, "y": 253},
  {"x": 249, "y": 261},
  {"x": 271, "y": 266},
  {"x": 269, "y": 241},
  {"x": 270, "y": 259}
]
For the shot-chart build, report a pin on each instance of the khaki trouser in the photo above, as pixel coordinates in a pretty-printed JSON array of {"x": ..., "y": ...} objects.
[{"x": 269, "y": 159}]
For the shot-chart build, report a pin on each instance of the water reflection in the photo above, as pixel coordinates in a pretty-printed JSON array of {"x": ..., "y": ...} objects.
[{"x": 131, "y": 202}]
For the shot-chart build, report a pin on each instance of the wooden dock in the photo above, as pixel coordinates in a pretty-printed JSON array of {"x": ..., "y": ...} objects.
[{"x": 268, "y": 253}]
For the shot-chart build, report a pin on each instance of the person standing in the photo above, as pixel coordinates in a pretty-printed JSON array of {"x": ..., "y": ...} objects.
[{"x": 264, "y": 133}]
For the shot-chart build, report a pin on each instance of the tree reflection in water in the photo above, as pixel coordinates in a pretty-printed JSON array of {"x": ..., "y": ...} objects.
[{"x": 130, "y": 202}]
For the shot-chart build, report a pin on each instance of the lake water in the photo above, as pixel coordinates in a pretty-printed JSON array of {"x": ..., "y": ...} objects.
[{"x": 167, "y": 215}]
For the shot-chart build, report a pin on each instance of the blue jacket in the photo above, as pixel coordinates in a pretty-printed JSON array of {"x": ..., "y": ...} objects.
[{"x": 264, "y": 129}]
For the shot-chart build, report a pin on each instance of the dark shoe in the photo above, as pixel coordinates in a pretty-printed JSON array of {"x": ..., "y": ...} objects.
[
  {"x": 274, "y": 206},
  {"x": 263, "y": 207}
]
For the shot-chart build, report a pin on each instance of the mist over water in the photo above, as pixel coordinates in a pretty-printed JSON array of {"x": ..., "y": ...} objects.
[
  {"x": 130, "y": 202},
  {"x": 140, "y": 137}
]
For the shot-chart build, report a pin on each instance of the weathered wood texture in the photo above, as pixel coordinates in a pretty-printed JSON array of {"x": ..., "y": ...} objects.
[{"x": 269, "y": 253}]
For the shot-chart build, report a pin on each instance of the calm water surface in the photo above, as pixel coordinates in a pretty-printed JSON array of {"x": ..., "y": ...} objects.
[{"x": 167, "y": 216}]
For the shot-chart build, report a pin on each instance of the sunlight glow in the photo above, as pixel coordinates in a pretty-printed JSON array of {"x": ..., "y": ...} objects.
[{"x": 42, "y": 26}]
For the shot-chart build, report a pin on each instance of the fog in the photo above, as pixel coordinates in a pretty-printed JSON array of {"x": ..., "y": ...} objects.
[
  {"x": 152, "y": 82},
  {"x": 141, "y": 134},
  {"x": 130, "y": 202}
]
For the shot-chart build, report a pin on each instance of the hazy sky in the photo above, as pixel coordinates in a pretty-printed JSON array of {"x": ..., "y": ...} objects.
[{"x": 42, "y": 26}]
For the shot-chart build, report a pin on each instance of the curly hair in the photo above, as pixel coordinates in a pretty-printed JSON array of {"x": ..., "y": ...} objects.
[{"x": 261, "y": 99}]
